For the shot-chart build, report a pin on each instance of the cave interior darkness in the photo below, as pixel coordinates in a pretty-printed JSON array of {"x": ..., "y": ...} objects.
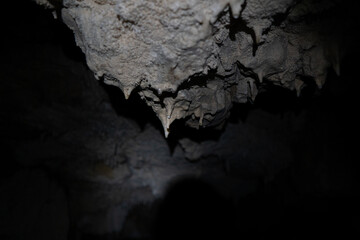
[{"x": 307, "y": 186}]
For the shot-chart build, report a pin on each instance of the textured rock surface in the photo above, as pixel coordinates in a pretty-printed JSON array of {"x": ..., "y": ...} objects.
[
  {"x": 73, "y": 147},
  {"x": 193, "y": 59}
]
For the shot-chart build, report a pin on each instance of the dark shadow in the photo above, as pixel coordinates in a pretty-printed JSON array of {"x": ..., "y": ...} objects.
[
  {"x": 278, "y": 211},
  {"x": 239, "y": 25},
  {"x": 277, "y": 100},
  {"x": 71, "y": 50},
  {"x": 193, "y": 209},
  {"x": 134, "y": 107}
]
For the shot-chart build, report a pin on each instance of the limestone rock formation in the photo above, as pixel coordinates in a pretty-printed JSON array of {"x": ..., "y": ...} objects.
[
  {"x": 80, "y": 162},
  {"x": 191, "y": 59}
]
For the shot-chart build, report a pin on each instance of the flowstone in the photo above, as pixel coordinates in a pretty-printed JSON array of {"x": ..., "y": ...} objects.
[{"x": 191, "y": 59}]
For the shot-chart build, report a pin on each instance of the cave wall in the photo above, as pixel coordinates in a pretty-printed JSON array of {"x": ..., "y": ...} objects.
[{"x": 81, "y": 162}]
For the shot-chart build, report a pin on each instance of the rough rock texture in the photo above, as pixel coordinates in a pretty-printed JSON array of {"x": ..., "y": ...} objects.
[
  {"x": 80, "y": 161},
  {"x": 193, "y": 59}
]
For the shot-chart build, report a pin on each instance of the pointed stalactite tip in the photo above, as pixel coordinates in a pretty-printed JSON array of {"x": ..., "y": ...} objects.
[{"x": 127, "y": 92}]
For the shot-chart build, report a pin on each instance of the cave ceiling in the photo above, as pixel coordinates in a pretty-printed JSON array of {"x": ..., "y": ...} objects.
[{"x": 192, "y": 59}]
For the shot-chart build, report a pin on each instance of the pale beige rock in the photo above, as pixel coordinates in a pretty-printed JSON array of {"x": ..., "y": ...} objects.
[{"x": 162, "y": 48}]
